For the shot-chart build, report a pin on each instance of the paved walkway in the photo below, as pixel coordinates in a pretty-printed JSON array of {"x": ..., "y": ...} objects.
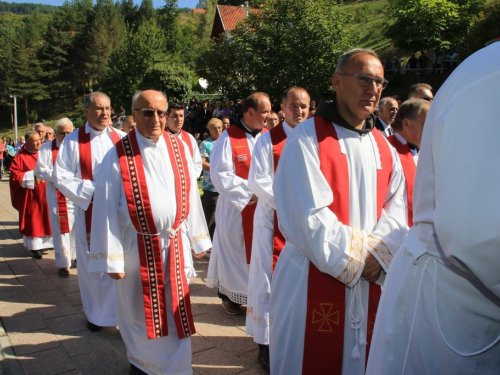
[{"x": 43, "y": 329}]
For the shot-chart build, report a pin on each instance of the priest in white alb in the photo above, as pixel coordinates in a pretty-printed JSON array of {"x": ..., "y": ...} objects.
[
  {"x": 440, "y": 309},
  {"x": 229, "y": 167},
  {"x": 339, "y": 197},
  {"x": 408, "y": 126},
  {"x": 78, "y": 160},
  {"x": 268, "y": 241},
  {"x": 149, "y": 218},
  {"x": 61, "y": 210}
]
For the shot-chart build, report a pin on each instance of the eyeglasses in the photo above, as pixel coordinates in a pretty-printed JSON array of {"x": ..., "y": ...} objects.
[
  {"x": 101, "y": 109},
  {"x": 151, "y": 112},
  {"x": 366, "y": 81},
  {"x": 428, "y": 98}
]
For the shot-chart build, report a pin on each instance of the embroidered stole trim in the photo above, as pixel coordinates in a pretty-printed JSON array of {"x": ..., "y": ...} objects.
[
  {"x": 325, "y": 320},
  {"x": 409, "y": 170},
  {"x": 85, "y": 150},
  {"x": 148, "y": 240},
  {"x": 241, "y": 159},
  {"x": 62, "y": 206},
  {"x": 187, "y": 140},
  {"x": 278, "y": 139}
]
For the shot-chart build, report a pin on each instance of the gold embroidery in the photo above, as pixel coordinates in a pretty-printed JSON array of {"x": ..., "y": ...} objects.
[
  {"x": 112, "y": 257},
  {"x": 356, "y": 253},
  {"x": 200, "y": 237},
  {"x": 325, "y": 317},
  {"x": 256, "y": 319},
  {"x": 380, "y": 249},
  {"x": 149, "y": 365}
]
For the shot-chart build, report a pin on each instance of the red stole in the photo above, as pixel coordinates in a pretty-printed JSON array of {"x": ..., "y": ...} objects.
[
  {"x": 62, "y": 207},
  {"x": 324, "y": 336},
  {"x": 85, "y": 150},
  {"x": 409, "y": 170},
  {"x": 242, "y": 158},
  {"x": 278, "y": 139},
  {"x": 187, "y": 140},
  {"x": 148, "y": 238}
]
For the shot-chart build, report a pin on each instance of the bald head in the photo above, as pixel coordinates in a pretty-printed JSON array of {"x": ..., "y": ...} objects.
[
  {"x": 128, "y": 124},
  {"x": 387, "y": 109}
]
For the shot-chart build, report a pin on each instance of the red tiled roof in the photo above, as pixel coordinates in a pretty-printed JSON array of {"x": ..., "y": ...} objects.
[
  {"x": 231, "y": 15},
  {"x": 197, "y": 10}
]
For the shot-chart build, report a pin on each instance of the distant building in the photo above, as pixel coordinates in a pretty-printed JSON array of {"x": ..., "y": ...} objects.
[{"x": 227, "y": 17}]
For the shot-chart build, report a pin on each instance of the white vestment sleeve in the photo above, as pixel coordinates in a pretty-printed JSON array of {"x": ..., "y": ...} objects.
[
  {"x": 68, "y": 176},
  {"x": 302, "y": 197},
  {"x": 198, "y": 163},
  {"x": 106, "y": 250},
  {"x": 391, "y": 228},
  {"x": 28, "y": 180},
  {"x": 198, "y": 234},
  {"x": 458, "y": 185},
  {"x": 223, "y": 176},
  {"x": 260, "y": 177},
  {"x": 44, "y": 164}
]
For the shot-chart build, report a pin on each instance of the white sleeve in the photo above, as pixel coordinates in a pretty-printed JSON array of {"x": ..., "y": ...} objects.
[
  {"x": 67, "y": 174},
  {"x": 106, "y": 250},
  {"x": 223, "y": 175},
  {"x": 44, "y": 166},
  {"x": 28, "y": 180},
  {"x": 260, "y": 177},
  {"x": 198, "y": 163}
]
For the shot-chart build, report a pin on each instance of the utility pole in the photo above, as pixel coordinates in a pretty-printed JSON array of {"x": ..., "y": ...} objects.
[{"x": 15, "y": 117}]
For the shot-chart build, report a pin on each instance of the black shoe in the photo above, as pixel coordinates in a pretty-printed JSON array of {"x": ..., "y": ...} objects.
[
  {"x": 92, "y": 327},
  {"x": 135, "y": 371},
  {"x": 263, "y": 356},
  {"x": 36, "y": 254},
  {"x": 74, "y": 266},
  {"x": 231, "y": 307},
  {"x": 63, "y": 272}
]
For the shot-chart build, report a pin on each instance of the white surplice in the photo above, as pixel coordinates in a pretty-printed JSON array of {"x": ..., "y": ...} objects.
[
  {"x": 64, "y": 244},
  {"x": 114, "y": 249},
  {"x": 313, "y": 233},
  {"x": 97, "y": 290},
  {"x": 228, "y": 268},
  {"x": 440, "y": 310},
  {"x": 260, "y": 182}
]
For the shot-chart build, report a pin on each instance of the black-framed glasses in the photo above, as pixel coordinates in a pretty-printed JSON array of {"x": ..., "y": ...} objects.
[
  {"x": 151, "y": 112},
  {"x": 366, "y": 80}
]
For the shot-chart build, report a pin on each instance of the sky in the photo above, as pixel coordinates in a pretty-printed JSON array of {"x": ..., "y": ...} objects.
[{"x": 157, "y": 3}]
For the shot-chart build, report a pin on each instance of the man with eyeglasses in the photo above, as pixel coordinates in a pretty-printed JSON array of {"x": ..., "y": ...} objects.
[
  {"x": 272, "y": 121},
  {"x": 229, "y": 167},
  {"x": 61, "y": 209},
  {"x": 338, "y": 191},
  {"x": 175, "y": 122},
  {"x": 41, "y": 129},
  {"x": 146, "y": 247},
  {"x": 421, "y": 91},
  {"x": 387, "y": 109},
  {"x": 268, "y": 240},
  {"x": 78, "y": 159}
]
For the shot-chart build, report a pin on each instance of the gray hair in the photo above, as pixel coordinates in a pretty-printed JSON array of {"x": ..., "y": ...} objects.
[
  {"x": 384, "y": 100},
  {"x": 418, "y": 87},
  {"x": 410, "y": 109},
  {"x": 29, "y": 132},
  {"x": 62, "y": 123},
  {"x": 38, "y": 124},
  {"x": 90, "y": 98},
  {"x": 137, "y": 94},
  {"x": 346, "y": 57}
]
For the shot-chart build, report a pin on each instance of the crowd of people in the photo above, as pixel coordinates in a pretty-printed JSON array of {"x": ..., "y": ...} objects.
[{"x": 306, "y": 215}]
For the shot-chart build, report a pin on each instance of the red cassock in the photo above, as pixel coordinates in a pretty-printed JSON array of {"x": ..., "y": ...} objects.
[{"x": 31, "y": 203}]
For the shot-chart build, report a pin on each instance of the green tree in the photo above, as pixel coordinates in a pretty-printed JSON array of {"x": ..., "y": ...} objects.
[
  {"x": 173, "y": 78},
  {"x": 130, "y": 13},
  {"x": 147, "y": 12},
  {"x": 168, "y": 20},
  {"x": 290, "y": 42},
  {"x": 439, "y": 25},
  {"x": 485, "y": 27}
]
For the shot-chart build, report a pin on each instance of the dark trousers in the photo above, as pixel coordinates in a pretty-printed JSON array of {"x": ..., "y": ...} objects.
[{"x": 209, "y": 205}]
